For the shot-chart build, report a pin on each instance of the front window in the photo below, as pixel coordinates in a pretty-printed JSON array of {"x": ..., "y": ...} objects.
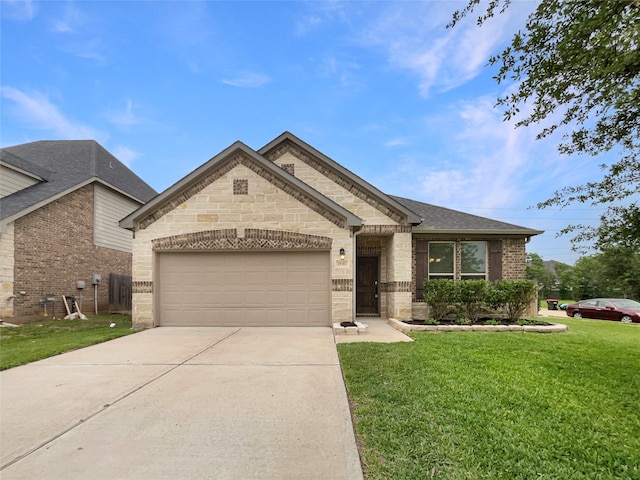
[
  {"x": 441, "y": 260},
  {"x": 473, "y": 262}
]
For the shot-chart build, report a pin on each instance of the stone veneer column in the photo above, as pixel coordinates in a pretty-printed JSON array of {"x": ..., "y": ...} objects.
[
  {"x": 142, "y": 283},
  {"x": 7, "y": 252},
  {"x": 399, "y": 276}
]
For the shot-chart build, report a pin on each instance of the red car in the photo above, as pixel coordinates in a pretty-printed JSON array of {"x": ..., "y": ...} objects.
[{"x": 621, "y": 309}]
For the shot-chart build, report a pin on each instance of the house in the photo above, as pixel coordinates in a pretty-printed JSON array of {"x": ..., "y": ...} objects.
[
  {"x": 285, "y": 236},
  {"x": 60, "y": 205}
]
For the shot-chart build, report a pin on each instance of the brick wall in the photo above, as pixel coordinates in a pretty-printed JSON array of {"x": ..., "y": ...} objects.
[
  {"x": 514, "y": 259},
  {"x": 54, "y": 249},
  {"x": 513, "y": 256}
]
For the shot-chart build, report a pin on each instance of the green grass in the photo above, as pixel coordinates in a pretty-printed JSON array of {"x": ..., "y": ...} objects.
[
  {"x": 499, "y": 405},
  {"x": 35, "y": 341}
]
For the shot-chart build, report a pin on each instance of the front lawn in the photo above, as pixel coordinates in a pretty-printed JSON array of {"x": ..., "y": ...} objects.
[
  {"x": 35, "y": 341},
  {"x": 474, "y": 405}
]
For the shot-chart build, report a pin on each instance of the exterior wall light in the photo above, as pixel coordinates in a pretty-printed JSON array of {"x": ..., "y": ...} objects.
[{"x": 342, "y": 254}]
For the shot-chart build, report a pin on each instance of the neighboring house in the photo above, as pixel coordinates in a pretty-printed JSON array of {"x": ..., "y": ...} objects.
[
  {"x": 285, "y": 236},
  {"x": 60, "y": 205}
]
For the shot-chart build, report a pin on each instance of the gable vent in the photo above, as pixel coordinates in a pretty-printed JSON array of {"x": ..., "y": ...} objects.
[
  {"x": 240, "y": 187},
  {"x": 289, "y": 168}
]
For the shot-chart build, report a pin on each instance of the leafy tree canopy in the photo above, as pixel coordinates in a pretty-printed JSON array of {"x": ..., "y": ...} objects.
[
  {"x": 615, "y": 272},
  {"x": 537, "y": 272},
  {"x": 577, "y": 64}
]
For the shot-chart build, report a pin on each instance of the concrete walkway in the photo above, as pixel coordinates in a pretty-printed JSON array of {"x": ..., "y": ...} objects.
[
  {"x": 378, "y": 331},
  {"x": 543, "y": 312},
  {"x": 182, "y": 403}
]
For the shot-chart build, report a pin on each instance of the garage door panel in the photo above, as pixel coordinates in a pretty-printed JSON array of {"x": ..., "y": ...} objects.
[
  {"x": 244, "y": 289},
  {"x": 234, "y": 299},
  {"x": 276, "y": 278},
  {"x": 234, "y": 278},
  {"x": 316, "y": 316},
  {"x": 318, "y": 298},
  {"x": 317, "y": 278},
  {"x": 297, "y": 278},
  {"x": 254, "y": 301},
  {"x": 296, "y": 299},
  {"x": 213, "y": 278},
  {"x": 274, "y": 298}
]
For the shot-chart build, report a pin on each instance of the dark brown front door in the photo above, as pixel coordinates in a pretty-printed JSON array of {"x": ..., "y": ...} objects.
[{"x": 367, "y": 285}]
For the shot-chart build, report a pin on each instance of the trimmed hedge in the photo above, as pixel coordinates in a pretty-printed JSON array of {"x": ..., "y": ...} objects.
[{"x": 469, "y": 299}]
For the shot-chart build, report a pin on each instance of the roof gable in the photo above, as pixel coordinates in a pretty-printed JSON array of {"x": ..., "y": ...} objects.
[
  {"x": 289, "y": 143},
  {"x": 237, "y": 154},
  {"x": 65, "y": 165}
]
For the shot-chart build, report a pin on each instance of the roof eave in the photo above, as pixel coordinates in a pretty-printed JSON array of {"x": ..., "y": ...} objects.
[
  {"x": 468, "y": 231},
  {"x": 22, "y": 171}
]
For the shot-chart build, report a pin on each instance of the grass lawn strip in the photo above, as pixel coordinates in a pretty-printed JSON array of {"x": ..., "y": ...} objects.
[
  {"x": 499, "y": 406},
  {"x": 35, "y": 341}
]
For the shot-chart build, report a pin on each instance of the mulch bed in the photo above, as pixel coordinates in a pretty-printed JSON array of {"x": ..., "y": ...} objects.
[{"x": 481, "y": 321}]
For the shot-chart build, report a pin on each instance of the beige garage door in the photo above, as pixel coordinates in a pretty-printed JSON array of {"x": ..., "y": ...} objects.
[{"x": 244, "y": 289}]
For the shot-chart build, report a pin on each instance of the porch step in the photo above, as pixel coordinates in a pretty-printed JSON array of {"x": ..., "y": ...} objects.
[{"x": 359, "y": 329}]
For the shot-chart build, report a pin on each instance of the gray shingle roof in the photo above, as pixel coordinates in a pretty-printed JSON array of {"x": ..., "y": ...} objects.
[
  {"x": 444, "y": 219},
  {"x": 63, "y": 165},
  {"x": 24, "y": 165}
]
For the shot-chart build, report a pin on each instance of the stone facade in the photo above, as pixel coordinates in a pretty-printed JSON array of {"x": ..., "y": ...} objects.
[
  {"x": 333, "y": 184},
  {"x": 7, "y": 254},
  {"x": 343, "y": 193},
  {"x": 219, "y": 212},
  {"x": 266, "y": 207},
  {"x": 238, "y": 202},
  {"x": 53, "y": 249}
]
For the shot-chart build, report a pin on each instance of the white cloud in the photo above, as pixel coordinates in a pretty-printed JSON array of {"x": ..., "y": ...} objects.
[
  {"x": 396, "y": 142},
  {"x": 414, "y": 38},
  {"x": 247, "y": 80},
  {"x": 125, "y": 154},
  {"x": 321, "y": 14},
  {"x": 18, "y": 10},
  {"x": 79, "y": 33},
  {"x": 493, "y": 160},
  {"x": 73, "y": 20},
  {"x": 342, "y": 69},
  {"x": 35, "y": 110},
  {"x": 124, "y": 117},
  {"x": 485, "y": 163}
]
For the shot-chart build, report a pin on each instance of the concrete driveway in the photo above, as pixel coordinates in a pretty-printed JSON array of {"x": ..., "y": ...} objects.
[{"x": 185, "y": 403}]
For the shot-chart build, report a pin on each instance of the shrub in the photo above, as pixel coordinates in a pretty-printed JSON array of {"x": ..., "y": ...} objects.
[
  {"x": 472, "y": 298},
  {"x": 514, "y": 296},
  {"x": 441, "y": 296}
]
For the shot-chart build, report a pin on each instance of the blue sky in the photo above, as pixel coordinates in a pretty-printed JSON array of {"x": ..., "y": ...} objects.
[{"x": 381, "y": 87}]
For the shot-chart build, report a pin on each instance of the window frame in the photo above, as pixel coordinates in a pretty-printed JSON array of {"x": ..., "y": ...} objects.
[
  {"x": 474, "y": 276},
  {"x": 446, "y": 276}
]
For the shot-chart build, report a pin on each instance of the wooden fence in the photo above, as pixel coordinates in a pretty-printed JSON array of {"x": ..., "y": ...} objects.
[{"x": 120, "y": 295}]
